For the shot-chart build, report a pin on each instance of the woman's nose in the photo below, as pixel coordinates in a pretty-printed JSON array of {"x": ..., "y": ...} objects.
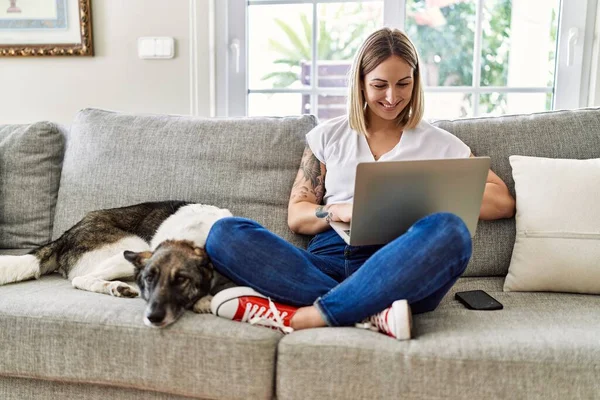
[{"x": 391, "y": 96}]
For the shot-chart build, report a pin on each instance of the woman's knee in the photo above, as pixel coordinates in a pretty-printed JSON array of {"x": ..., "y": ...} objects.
[
  {"x": 227, "y": 229},
  {"x": 458, "y": 238},
  {"x": 453, "y": 229},
  {"x": 451, "y": 234}
]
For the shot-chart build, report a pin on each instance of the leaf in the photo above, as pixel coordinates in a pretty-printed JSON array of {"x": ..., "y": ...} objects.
[
  {"x": 277, "y": 74},
  {"x": 325, "y": 46},
  {"x": 293, "y": 62},
  {"x": 307, "y": 27},
  {"x": 300, "y": 47},
  {"x": 281, "y": 79},
  {"x": 276, "y": 46}
]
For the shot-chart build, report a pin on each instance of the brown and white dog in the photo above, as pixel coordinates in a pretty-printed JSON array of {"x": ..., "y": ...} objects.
[{"x": 159, "y": 244}]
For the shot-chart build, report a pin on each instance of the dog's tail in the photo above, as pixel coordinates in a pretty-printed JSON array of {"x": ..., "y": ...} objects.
[{"x": 32, "y": 265}]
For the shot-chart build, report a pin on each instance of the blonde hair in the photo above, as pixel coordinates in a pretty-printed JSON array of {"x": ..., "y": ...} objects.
[{"x": 378, "y": 47}]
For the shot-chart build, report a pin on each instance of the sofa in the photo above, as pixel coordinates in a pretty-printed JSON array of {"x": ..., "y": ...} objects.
[{"x": 59, "y": 342}]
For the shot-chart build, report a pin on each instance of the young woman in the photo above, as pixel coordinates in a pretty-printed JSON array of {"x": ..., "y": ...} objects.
[{"x": 331, "y": 283}]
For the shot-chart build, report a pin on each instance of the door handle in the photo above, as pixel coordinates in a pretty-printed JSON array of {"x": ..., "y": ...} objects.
[
  {"x": 234, "y": 46},
  {"x": 571, "y": 43}
]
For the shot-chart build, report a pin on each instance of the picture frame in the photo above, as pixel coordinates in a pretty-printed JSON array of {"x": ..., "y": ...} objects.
[{"x": 46, "y": 28}]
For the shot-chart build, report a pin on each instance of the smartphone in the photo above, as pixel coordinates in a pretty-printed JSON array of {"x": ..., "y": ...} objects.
[{"x": 478, "y": 300}]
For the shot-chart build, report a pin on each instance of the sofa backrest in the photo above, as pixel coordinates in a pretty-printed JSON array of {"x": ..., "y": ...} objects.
[
  {"x": 560, "y": 134},
  {"x": 249, "y": 164},
  {"x": 245, "y": 164}
]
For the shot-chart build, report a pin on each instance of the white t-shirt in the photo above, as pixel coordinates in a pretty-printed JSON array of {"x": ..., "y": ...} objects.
[{"x": 341, "y": 149}]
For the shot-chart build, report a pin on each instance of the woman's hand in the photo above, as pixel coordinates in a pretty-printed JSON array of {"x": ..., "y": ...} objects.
[{"x": 341, "y": 212}]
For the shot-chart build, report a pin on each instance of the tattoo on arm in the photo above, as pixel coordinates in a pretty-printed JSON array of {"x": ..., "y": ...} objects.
[
  {"x": 311, "y": 174},
  {"x": 320, "y": 212},
  {"x": 312, "y": 170}
]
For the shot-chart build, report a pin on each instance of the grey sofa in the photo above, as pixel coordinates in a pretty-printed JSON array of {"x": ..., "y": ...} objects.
[{"x": 58, "y": 342}]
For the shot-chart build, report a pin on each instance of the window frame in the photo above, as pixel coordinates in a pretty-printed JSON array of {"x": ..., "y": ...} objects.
[{"x": 571, "y": 86}]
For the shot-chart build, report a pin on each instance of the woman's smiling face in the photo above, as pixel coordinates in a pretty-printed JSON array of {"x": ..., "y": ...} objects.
[{"x": 388, "y": 88}]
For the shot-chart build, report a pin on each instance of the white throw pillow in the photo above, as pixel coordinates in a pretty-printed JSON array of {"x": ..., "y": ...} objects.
[{"x": 557, "y": 246}]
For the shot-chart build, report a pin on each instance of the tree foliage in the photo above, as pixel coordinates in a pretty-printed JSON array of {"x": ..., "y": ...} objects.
[
  {"x": 446, "y": 51},
  {"x": 332, "y": 43}
]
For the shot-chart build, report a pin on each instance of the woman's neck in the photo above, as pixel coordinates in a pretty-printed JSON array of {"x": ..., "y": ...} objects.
[{"x": 377, "y": 125}]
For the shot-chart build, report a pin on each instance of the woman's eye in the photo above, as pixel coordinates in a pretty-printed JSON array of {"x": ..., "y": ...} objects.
[{"x": 379, "y": 86}]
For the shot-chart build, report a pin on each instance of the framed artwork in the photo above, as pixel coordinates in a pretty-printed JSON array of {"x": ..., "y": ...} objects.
[{"x": 46, "y": 28}]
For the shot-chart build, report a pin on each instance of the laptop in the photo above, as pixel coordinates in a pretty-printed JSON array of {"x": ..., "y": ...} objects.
[{"x": 390, "y": 196}]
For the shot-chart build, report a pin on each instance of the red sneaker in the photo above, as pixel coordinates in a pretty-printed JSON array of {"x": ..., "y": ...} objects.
[
  {"x": 394, "y": 321},
  {"x": 244, "y": 304}
]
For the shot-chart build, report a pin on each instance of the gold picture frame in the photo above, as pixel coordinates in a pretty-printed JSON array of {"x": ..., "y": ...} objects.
[{"x": 74, "y": 34}]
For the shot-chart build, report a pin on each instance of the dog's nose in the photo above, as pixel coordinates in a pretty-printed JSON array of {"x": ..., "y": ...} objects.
[{"x": 156, "y": 316}]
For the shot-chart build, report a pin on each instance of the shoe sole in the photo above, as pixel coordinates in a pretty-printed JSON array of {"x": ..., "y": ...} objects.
[
  {"x": 402, "y": 312},
  {"x": 230, "y": 294}
]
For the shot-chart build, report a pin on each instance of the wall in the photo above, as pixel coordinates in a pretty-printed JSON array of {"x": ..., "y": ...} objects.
[
  {"x": 54, "y": 88},
  {"x": 594, "y": 94}
]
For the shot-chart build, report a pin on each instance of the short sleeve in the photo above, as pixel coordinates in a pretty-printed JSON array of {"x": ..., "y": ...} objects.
[
  {"x": 459, "y": 149},
  {"x": 316, "y": 141},
  {"x": 452, "y": 145}
]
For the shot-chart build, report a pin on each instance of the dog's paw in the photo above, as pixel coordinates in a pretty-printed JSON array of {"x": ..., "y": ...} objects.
[
  {"x": 120, "y": 289},
  {"x": 202, "y": 306}
]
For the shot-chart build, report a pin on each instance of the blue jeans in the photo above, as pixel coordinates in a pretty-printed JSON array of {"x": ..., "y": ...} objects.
[{"x": 346, "y": 283}]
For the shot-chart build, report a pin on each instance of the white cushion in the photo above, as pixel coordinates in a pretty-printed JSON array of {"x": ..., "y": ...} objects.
[{"x": 557, "y": 245}]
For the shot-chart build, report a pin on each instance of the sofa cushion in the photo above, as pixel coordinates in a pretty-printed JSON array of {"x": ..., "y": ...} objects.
[
  {"x": 540, "y": 346},
  {"x": 30, "y": 161},
  {"x": 38, "y": 389},
  {"x": 557, "y": 245},
  {"x": 560, "y": 134},
  {"x": 245, "y": 164},
  {"x": 51, "y": 331}
]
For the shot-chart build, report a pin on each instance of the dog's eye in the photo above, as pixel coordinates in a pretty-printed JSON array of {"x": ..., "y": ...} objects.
[
  {"x": 180, "y": 280},
  {"x": 150, "y": 277}
]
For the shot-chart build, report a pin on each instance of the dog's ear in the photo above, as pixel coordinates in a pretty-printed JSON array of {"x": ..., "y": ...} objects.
[
  {"x": 202, "y": 254},
  {"x": 139, "y": 260}
]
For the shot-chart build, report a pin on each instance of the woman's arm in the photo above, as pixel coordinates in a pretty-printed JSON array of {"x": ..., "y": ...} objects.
[
  {"x": 497, "y": 201},
  {"x": 306, "y": 215}
]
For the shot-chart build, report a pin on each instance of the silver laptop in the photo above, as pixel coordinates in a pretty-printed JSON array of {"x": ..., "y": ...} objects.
[{"x": 390, "y": 196}]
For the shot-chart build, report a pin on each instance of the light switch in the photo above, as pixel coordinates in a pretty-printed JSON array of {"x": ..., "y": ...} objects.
[{"x": 156, "y": 47}]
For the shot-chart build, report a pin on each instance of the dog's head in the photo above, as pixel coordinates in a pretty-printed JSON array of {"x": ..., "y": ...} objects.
[{"x": 171, "y": 279}]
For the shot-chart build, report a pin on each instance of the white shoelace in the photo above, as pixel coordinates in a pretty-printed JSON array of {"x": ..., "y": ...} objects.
[
  {"x": 380, "y": 321},
  {"x": 375, "y": 323},
  {"x": 270, "y": 317}
]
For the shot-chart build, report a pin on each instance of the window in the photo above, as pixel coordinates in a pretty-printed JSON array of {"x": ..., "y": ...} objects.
[{"x": 478, "y": 57}]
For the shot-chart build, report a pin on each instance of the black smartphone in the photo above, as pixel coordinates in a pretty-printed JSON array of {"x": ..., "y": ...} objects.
[{"x": 478, "y": 300}]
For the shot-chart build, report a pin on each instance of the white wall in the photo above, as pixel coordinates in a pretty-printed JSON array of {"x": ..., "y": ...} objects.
[{"x": 54, "y": 88}]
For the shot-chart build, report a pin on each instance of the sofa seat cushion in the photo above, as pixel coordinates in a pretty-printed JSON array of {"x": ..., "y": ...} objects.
[
  {"x": 34, "y": 389},
  {"x": 51, "y": 331},
  {"x": 543, "y": 344}
]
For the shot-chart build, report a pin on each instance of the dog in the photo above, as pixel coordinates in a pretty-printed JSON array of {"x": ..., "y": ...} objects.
[{"x": 161, "y": 245}]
